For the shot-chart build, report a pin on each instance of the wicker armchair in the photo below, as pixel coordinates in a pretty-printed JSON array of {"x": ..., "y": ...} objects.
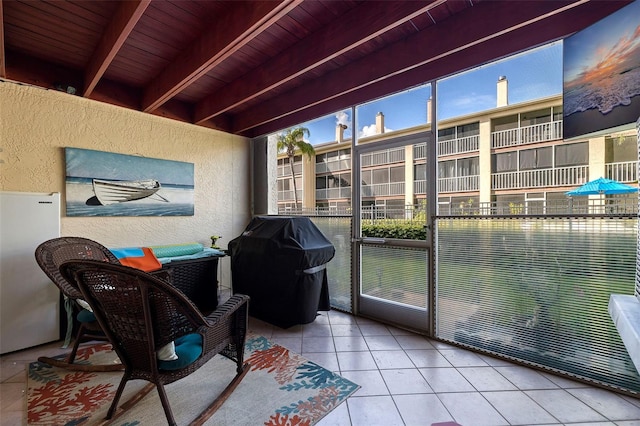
[
  {"x": 50, "y": 255},
  {"x": 141, "y": 313}
]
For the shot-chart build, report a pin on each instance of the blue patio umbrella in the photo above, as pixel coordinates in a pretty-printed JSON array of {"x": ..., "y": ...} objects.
[{"x": 603, "y": 186}]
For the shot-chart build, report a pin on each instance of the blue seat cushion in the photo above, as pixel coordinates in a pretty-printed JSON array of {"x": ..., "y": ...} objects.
[
  {"x": 188, "y": 349},
  {"x": 86, "y": 316}
]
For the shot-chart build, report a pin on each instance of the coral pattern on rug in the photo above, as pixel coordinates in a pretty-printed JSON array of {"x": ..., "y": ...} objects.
[
  {"x": 64, "y": 394},
  {"x": 308, "y": 391},
  {"x": 294, "y": 372}
]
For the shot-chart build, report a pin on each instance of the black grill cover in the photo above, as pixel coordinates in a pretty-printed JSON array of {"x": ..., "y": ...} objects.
[{"x": 280, "y": 263}]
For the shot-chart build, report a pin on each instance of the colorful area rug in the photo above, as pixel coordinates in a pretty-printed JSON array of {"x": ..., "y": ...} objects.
[{"x": 282, "y": 388}]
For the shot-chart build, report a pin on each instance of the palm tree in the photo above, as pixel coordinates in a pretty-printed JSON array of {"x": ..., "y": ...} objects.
[{"x": 290, "y": 141}]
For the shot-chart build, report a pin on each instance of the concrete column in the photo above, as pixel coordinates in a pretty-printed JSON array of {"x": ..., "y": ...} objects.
[
  {"x": 379, "y": 123},
  {"x": 264, "y": 172},
  {"x": 408, "y": 175},
  {"x": 484, "y": 160},
  {"x": 597, "y": 157},
  {"x": 308, "y": 182},
  {"x": 597, "y": 160},
  {"x": 503, "y": 91},
  {"x": 340, "y": 128}
]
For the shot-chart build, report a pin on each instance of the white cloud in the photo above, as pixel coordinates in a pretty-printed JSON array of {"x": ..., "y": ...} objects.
[
  {"x": 370, "y": 130},
  {"x": 342, "y": 118}
]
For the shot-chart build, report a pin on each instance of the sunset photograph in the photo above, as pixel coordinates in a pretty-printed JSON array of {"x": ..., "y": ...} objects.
[{"x": 602, "y": 74}]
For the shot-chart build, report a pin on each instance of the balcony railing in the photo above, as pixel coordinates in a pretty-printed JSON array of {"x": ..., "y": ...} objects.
[
  {"x": 333, "y": 193},
  {"x": 622, "y": 172},
  {"x": 288, "y": 195},
  {"x": 459, "y": 184},
  {"x": 540, "y": 178},
  {"x": 334, "y": 165},
  {"x": 527, "y": 134},
  {"x": 613, "y": 206},
  {"x": 382, "y": 189},
  {"x": 455, "y": 184},
  {"x": 459, "y": 145},
  {"x": 285, "y": 170},
  {"x": 386, "y": 156}
]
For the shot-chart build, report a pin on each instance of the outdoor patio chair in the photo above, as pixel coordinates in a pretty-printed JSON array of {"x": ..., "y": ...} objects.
[
  {"x": 50, "y": 255},
  {"x": 141, "y": 314}
]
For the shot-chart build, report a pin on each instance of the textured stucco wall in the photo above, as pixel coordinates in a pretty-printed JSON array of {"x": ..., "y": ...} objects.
[{"x": 36, "y": 125}]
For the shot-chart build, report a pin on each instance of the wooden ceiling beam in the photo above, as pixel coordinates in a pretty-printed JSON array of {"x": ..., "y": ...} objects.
[
  {"x": 347, "y": 32},
  {"x": 37, "y": 72},
  {"x": 423, "y": 51},
  {"x": 3, "y": 69},
  {"x": 115, "y": 35},
  {"x": 243, "y": 22}
]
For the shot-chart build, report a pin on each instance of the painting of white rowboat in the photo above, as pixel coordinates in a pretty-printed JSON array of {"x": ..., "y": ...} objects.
[
  {"x": 110, "y": 191},
  {"x": 102, "y": 183}
]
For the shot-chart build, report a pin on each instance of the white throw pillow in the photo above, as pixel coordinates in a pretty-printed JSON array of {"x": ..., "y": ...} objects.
[
  {"x": 167, "y": 352},
  {"x": 84, "y": 305}
]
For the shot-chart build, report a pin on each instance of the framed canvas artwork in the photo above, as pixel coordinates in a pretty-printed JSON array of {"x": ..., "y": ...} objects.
[
  {"x": 102, "y": 183},
  {"x": 601, "y": 74}
]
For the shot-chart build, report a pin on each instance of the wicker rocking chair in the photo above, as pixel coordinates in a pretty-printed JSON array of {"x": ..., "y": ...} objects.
[
  {"x": 50, "y": 255},
  {"x": 141, "y": 314}
]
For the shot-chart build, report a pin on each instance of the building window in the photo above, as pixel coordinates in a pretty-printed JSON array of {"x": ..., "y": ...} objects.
[
  {"x": 380, "y": 176},
  {"x": 468, "y": 166},
  {"x": 505, "y": 162},
  {"x": 396, "y": 174},
  {"x": 446, "y": 134},
  {"x": 509, "y": 204},
  {"x": 366, "y": 177},
  {"x": 557, "y": 113},
  {"x": 505, "y": 123},
  {"x": 285, "y": 170},
  {"x": 539, "y": 158},
  {"x": 574, "y": 154},
  {"x": 466, "y": 130},
  {"x": 462, "y": 131},
  {"x": 531, "y": 118},
  {"x": 343, "y": 154},
  {"x": 342, "y": 180},
  {"x": 284, "y": 185},
  {"x": 446, "y": 169},
  {"x": 621, "y": 149}
]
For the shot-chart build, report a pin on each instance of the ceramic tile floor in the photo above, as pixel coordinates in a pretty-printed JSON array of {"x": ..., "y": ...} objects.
[{"x": 406, "y": 379}]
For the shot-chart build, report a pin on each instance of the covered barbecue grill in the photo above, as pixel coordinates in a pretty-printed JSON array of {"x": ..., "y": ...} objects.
[{"x": 280, "y": 262}]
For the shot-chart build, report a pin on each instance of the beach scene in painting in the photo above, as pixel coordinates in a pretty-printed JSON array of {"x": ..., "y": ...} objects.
[
  {"x": 108, "y": 184},
  {"x": 602, "y": 74}
]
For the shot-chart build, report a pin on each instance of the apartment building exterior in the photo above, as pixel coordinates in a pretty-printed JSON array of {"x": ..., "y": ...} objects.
[{"x": 508, "y": 160}]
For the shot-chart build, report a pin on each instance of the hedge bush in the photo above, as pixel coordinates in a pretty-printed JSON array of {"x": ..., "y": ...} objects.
[{"x": 394, "y": 229}]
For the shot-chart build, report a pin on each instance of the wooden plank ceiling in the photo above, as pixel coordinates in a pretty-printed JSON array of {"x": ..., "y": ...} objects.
[{"x": 255, "y": 67}]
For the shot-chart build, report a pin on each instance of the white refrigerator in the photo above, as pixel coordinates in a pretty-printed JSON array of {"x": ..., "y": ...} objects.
[{"x": 29, "y": 301}]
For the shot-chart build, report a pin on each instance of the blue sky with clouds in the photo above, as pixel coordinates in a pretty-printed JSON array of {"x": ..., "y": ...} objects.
[
  {"x": 600, "y": 44},
  {"x": 88, "y": 163},
  {"x": 533, "y": 74}
]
